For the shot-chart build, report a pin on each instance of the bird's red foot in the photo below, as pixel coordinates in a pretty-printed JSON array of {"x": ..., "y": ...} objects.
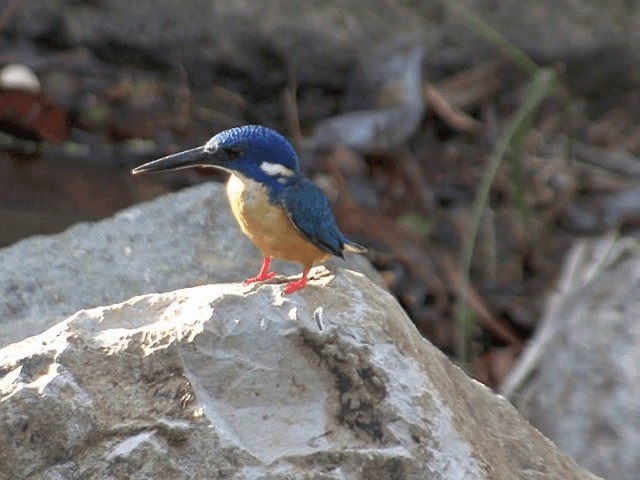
[
  {"x": 260, "y": 278},
  {"x": 264, "y": 273},
  {"x": 297, "y": 284}
]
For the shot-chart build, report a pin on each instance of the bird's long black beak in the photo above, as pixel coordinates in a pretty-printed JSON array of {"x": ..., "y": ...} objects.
[{"x": 189, "y": 158}]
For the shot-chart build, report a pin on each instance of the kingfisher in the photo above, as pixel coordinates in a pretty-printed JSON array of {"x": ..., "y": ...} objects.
[{"x": 285, "y": 215}]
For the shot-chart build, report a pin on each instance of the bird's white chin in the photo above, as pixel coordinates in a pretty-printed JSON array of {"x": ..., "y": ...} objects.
[{"x": 242, "y": 189}]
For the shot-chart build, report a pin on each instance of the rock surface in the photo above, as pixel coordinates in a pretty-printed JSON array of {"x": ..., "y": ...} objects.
[
  {"x": 579, "y": 383},
  {"x": 179, "y": 240},
  {"x": 233, "y": 382}
]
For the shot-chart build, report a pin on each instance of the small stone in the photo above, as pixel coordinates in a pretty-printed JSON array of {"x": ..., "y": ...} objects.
[{"x": 15, "y": 76}]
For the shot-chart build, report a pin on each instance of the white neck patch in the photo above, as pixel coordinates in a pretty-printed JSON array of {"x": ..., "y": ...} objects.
[{"x": 275, "y": 169}]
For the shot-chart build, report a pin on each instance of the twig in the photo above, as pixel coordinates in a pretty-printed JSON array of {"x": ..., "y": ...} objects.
[
  {"x": 473, "y": 86},
  {"x": 488, "y": 321},
  {"x": 456, "y": 119},
  {"x": 291, "y": 112},
  {"x": 185, "y": 105},
  {"x": 615, "y": 161}
]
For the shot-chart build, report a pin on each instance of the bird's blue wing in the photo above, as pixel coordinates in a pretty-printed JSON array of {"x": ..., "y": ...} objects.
[{"x": 308, "y": 209}]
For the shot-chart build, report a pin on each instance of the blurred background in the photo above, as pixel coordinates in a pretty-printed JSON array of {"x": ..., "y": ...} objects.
[{"x": 467, "y": 143}]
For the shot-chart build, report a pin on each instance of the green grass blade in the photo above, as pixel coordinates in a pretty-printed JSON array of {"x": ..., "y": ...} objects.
[{"x": 542, "y": 84}]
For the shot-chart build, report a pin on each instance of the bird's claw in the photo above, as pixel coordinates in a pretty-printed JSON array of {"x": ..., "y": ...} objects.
[
  {"x": 295, "y": 286},
  {"x": 260, "y": 278}
]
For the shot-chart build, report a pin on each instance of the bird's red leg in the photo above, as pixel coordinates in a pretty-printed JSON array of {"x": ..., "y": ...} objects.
[
  {"x": 297, "y": 284},
  {"x": 263, "y": 274}
]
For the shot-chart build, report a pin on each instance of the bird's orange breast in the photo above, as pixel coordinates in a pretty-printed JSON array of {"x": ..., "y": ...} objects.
[{"x": 267, "y": 225}]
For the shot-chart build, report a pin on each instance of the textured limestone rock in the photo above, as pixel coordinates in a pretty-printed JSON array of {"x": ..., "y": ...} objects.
[
  {"x": 580, "y": 381},
  {"x": 180, "y": 240},
  {"x": 233, "y": 382}
]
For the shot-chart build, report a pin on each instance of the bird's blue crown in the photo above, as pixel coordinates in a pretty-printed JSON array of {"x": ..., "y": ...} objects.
[{"x": 255, "y": 146}]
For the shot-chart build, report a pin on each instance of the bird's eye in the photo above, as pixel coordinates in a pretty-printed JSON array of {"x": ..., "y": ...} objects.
[{"x": 234, "y": 152}]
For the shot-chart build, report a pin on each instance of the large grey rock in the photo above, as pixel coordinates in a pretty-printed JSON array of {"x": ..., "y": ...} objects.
[
  {"x": 180, "y": 240},
  {"x": 580, "y": 380},
  {"x": 384, "y": 105},
  {"x": 322, "y": 41},
  {"x": 233, "y": 382}
]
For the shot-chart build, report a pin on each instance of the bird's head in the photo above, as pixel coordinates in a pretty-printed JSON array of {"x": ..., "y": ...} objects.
[{"x": 255, "y": 152}]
